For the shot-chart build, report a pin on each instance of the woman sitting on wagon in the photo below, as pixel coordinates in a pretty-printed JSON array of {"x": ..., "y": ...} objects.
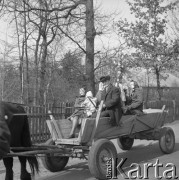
[{"x": 79, "y": 112}]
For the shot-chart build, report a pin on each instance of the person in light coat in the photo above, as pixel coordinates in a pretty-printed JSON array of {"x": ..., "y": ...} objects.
[{"x": 89, "y": 104}]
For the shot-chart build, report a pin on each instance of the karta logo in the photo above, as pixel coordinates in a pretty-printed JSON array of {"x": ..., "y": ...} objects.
[{"x": 140, "y": 171}]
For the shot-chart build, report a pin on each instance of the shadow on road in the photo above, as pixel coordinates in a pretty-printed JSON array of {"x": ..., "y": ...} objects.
[
  {"x": 143, "y": 154},
  {"x": 138, "y": 154}
]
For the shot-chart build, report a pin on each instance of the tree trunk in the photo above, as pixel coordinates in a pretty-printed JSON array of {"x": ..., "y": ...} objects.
[
  {"x": 21, "y": 69},
  {"x": 27, "y": 58},
  {"x": 43, "y": 71},
  {"x": 158, "y": 82},
  {"x": 21, "y": 58},
  {"x": 36, "y": 83},
  {"x": 90, "y": 35},
  {"x": 148, "y": 84}
]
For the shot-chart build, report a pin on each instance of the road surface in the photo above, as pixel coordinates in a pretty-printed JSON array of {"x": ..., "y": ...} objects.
[{"x": 143, "y": 153}]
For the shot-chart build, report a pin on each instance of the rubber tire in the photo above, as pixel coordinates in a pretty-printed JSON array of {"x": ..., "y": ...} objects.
[
  {"x": 167, "y": 145},
  {"x": 54, "y": 163},
  {"x": 125, "y": 143},
  {"x": 94, "y": 157}
]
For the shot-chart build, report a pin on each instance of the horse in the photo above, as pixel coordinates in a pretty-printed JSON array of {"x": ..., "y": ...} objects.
[
  {"x": 20, "y": 137},
  {"x": 4, "y": 135}
]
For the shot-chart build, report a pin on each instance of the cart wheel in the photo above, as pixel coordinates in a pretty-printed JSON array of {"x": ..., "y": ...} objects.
[
  {"x": 125, "y": 143},
  {"x": 101, "y": 151},
  {"x": 167, "y": 140},
  {"x": 54, "y": 163}
]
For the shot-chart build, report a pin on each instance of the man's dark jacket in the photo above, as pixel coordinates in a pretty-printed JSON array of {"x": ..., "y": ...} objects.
[
  {"x": 136, "y": 103},
  {"x": 112, "y": 101}
]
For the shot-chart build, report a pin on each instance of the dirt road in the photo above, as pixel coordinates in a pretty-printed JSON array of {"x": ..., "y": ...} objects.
[{"x": 143, "y": 152}]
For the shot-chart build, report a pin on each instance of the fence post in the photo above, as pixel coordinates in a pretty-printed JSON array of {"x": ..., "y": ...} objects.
[
  {"x": 174, "y": 110},
  {"x": 63, "y": 110},
  {"x": 145, "y": 105}
]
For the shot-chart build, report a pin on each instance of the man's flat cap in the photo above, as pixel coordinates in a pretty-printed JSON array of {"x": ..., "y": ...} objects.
[{"x": 104, "y": 78}]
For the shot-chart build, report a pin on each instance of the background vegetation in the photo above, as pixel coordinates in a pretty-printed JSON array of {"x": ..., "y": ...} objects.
[{"x": 53, "y": 51}]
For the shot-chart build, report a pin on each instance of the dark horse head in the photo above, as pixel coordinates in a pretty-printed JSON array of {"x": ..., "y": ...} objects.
[{"x": 17, "y": 121}]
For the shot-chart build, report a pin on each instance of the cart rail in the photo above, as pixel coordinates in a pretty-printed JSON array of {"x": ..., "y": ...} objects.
[{"x": 95, "y": 128}]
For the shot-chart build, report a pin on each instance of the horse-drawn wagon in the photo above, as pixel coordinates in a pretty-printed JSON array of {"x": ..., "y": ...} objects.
[{"x": 93, "y": 140}]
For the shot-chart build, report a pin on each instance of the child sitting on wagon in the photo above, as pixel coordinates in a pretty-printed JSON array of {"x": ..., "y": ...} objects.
[{"x": 89, "y": 104}]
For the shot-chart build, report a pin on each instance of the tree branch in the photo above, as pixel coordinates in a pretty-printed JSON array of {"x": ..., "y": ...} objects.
[{"x": 66, "y": 34}]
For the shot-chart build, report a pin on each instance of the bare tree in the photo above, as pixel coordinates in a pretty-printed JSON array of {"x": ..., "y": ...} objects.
[{"x": 45, "y": 21}]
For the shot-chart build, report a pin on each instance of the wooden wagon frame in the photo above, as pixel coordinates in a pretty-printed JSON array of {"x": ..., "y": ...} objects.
[{"x": 93, "y": 139}]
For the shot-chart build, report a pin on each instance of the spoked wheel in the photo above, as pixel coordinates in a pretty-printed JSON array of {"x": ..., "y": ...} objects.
[
  {"x": 54, "y": 163},
  {"x": 125, "y": 142},
  {"x": 167, "y": 140},
  {"x": 101, "y": 152}
]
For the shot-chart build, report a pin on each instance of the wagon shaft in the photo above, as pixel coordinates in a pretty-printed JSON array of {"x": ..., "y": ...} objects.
[{"x": 57, "y": 152}]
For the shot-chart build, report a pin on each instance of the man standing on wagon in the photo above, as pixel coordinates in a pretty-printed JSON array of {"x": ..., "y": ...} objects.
[{"x": 112, "y": 100}]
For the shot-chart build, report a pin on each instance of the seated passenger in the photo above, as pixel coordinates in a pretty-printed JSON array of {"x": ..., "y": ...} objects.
[
  {"x": 123, "y": 95},
  {"x": 135, "y": 102},
  {"x": 89, "y": 104},
  {"x": 79, "y": 112},
  {"x": 112, "y": 100}
]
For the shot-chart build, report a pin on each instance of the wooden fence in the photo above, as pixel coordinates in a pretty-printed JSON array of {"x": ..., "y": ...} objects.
[
  {"x": 169, "y": 93},
  {"x": 171, "y": 106},
  {"x": 38, "y": 116}
]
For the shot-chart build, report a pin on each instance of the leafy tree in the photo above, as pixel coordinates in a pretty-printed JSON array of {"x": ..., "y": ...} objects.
[
  {"x": 146, "y": 36},
  {"x": 72, "y": 69}
]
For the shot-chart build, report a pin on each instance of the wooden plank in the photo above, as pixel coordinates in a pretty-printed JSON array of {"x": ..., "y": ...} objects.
[
  {"x": 131, "y": 124},
  {"x": 45, "y": 136},
  {"x": 86, "y": 130},
  {"x": 113, "y": 132},
  {"x": 58, "y": 151},
  {"x": 110, "y": 132},
  {"x": 35, "y": 124},
  {"x": 40, "y": 124},
  {"x": 43, "y": 124},
  {"x": 65, "y": 127},
  {"x": 97, "y": 120},
  {"x": 72, "y": 141},
  {"x": 30, "y": 124},
  {"x": 56, "y": 126},
  {"x": 52, "y": 130},
  {"x": 161, "y": 118},
  {"x": 63, "y": 110}
]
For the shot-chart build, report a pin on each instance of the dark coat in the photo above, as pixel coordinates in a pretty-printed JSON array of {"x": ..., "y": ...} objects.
[
  {"x": 78, "y": 110},
  {"x": 4, "y": 133},
  {"x": 112, "y": 101},
  {"x": 136, "y": 103}
]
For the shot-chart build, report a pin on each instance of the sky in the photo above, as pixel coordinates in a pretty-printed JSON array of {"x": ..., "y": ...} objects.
[
  {"x": 106, "y": 6},
  {"x": 110, "y": 6}
]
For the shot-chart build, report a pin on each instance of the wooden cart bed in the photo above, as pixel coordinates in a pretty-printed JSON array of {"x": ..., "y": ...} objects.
[{"x": 95, "y": 128}]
